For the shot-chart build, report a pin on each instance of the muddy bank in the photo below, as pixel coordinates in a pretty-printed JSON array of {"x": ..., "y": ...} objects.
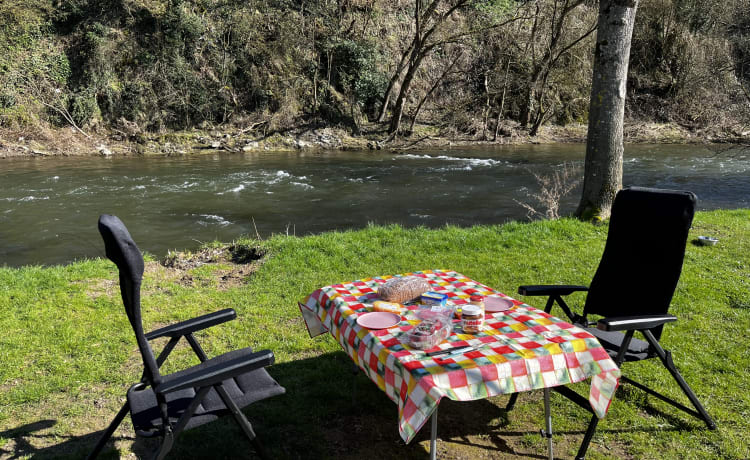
[{"x": 66, "y": 142}]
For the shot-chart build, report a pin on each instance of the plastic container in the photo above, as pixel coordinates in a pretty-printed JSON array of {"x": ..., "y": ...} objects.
[
  {"x": 433, "y": 298},
  {"x": 429, "y": 333},
  {"x": 436, "y": 325}
]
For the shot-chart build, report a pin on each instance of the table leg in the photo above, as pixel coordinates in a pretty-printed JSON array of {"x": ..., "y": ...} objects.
[
  {"x": 548, "y": 421},
  {"x": 433, "y": 435}
]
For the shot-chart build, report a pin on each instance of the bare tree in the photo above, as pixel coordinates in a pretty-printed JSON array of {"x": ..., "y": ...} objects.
[
  {"x": 433, "y": 88},
  {"x": 429, "y": 34},
  {"x": 602, "y": 177},
  {"x": 555, "y": 46},
  {"x": 427, "y": 20}
]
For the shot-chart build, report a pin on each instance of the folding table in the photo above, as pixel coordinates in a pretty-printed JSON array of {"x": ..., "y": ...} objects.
[{"x": 520, "y": 349}]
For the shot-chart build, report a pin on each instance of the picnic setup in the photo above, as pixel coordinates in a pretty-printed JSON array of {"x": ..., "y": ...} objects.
[
  {"x": 431, "y": 334},
  {"x": 514, "y": 347},
  {"x": 517, "y": 348}
]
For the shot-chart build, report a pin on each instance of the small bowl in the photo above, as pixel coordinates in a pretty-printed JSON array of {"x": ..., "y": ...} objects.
[{"x": 707, "y": 240}]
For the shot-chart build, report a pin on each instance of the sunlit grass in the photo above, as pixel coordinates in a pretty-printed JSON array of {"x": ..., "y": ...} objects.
[{"x": 68, "y": 353}]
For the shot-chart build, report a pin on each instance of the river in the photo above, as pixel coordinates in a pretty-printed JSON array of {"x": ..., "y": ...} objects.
[{"x": 49, "y": 207}]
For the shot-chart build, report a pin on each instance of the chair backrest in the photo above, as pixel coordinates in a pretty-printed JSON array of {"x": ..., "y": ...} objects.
[
  {"x": 122, "y": 250},
  {"x": 643, "y": 255}
]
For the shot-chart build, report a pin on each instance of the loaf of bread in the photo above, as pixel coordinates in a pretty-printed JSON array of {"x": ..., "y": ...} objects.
[{"x": 403, "y": 289}]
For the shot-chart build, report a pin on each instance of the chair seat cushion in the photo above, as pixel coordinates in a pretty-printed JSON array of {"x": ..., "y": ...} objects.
[
  {"x": 244, "y": 389},
  {"x": 612, "y": 341}
]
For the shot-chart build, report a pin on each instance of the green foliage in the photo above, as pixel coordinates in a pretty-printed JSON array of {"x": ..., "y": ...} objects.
[
  {"x": 83, "y": 107},
  {"x": 495, "y": 10},
  {"x": 33, "y": 66},
  {"x": 357, "y": 71},
  {"x": 181, "y": 28}
]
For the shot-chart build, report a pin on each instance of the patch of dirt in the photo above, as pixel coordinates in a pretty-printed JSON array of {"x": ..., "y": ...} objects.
[
  {"x": 101, "y": 287},
  {"x": 231, "y": 265}
]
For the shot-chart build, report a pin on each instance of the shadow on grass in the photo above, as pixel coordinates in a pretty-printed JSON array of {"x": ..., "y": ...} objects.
[
  {"x": 39, "y": 440},
  {"x": 328, "y": 412}
]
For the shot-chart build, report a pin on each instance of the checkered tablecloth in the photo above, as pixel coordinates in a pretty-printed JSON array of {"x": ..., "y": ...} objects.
[{"x": 518, "y": 350}]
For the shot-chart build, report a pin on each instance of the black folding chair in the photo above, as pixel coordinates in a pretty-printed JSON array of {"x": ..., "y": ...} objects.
[
  {"x": 165, "y": 405},
  {"x": 633, "y": 287}
]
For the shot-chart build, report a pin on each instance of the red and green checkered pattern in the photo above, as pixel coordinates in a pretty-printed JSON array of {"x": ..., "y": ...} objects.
[{"x": 518, "y": 350}]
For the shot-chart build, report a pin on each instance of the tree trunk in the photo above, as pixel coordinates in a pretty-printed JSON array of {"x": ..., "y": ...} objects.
[
  {"x": 502, "y": 101},
  {"x": 392, "y": 83},
  {"x": 604, "y": 146},
  {"x": 528, "y": 107},
  {"x": 411, "y": 71},
  {"x": 431, "y": 90}
]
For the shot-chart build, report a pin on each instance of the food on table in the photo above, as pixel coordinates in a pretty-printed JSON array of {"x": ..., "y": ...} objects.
[
  {"x": 472, "y": 318},
  {"x": 428, "y": 333},
  {"x": 390, "y": 307},
  {"x": 433, "y": 298},
  {"x": 403, "y": 289},
  {"x": 477, "y": 300}
]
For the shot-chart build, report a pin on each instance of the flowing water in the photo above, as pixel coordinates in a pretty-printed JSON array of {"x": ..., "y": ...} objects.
[{"x": 49, "y": 207}]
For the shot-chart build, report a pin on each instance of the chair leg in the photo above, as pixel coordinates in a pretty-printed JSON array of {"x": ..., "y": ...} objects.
[
  {"x": 584, "y": 404},
  {"x": 512, "y": 401},
  {"x": 166, "y": 445},
  {"x": 581, "y": 455},
  {"x": 689, "y": 392},
  {"x": 109, "y": 432},
  {"x": 241, "y": 420},
  {"x": 170, "y": 432},
  {"x": 666, "y": 359}
]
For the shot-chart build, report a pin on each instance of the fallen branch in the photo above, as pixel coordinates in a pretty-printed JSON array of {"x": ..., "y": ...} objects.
[
  {"x": 411, "y": 146},
  {"x": 253, "y": 126},
  {"x": 66, "y": 115}
]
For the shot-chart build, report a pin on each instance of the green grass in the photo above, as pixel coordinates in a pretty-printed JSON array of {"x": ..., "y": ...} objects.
[{"x": 68, "y": 353}]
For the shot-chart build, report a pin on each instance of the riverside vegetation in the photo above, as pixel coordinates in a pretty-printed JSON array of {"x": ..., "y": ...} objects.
[
  {"x": 69, "y": 355},
  {"x": 173, "y": 74}
]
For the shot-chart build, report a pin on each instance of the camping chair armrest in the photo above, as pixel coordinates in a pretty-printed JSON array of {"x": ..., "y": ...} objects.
[
  {"x": 624, "y": 323},
  {"x": 194, "y": 324},
  {"x": 544, "y": 289},
  {"x": 217, "y": 373}
]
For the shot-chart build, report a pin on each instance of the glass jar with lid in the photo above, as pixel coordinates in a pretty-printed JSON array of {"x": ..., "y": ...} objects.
[
  {"x": 477, "y": 300},
  {"x": 472, "y": 318}
]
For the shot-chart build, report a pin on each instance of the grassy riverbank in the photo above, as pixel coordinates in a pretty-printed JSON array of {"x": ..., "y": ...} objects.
[{"x": 68, "y": 354}]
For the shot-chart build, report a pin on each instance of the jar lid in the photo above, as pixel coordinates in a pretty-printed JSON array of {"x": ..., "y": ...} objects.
[
  {"x": 476, "y": 298},
  {"x": 471, "y": 310}
]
